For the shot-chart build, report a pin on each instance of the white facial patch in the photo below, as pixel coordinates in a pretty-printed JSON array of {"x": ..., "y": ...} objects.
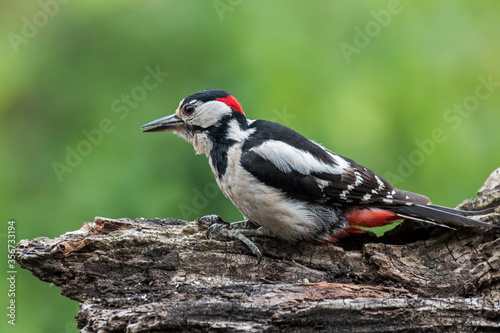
[
  {"x": 288, "y": 158},
  {"x": 209, "y": 114}
]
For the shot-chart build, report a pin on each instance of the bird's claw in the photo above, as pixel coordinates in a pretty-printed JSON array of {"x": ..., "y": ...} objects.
[
  {"x": 223, "y": 228},
  {"x": 213, "y": 221}
]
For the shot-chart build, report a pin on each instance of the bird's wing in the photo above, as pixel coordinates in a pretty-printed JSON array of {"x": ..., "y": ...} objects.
[
  {"x": 354, "y": 184},
  {"x": 304, "y": 169}
]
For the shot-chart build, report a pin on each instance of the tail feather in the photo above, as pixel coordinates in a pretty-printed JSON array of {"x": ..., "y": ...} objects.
[
  {"x": 464, "y": 212},
  {"x": 440, "y": 215}
]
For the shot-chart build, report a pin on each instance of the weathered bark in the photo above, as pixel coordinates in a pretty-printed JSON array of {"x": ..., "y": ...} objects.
[{"x": 164, "y": 275}]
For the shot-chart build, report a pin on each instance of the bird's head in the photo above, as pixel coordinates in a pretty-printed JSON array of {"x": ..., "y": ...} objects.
[{"x": 201, "y": 118}]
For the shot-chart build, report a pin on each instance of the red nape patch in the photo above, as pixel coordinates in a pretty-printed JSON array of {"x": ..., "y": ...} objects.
[
  {"x": 371, "y": 217},
  {"x": 232, "y": 103}
]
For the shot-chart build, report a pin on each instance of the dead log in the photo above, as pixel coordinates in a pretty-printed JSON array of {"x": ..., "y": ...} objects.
[{"x": 165, "y": 275}]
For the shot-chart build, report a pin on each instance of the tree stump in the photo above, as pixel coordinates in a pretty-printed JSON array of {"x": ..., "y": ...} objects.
[{"x": 164, "y": 275}]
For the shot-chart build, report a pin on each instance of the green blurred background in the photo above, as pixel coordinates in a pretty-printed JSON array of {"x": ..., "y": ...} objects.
[{"x": 364, "y": 78}]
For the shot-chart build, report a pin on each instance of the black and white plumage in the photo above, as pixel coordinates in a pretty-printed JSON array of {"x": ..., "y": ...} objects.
[{"x": 292, "y": 187}]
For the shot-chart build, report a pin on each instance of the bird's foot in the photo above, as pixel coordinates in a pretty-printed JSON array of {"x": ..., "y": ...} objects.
[
  {"x": 210, "y": 220},
  {"x": 225, "y": 229}
]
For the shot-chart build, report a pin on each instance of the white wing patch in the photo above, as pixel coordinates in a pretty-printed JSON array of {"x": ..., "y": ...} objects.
[
  {"x": 343, "y": 164},
  {"x": 359, "y": 179},
  {"x": 381, "y": 184},
  {"x": 344, "y": 194},
  {"x": 287, "y": 158},
  {"x": 322, "y": 183},
  {"x": 350, "y": 187}
]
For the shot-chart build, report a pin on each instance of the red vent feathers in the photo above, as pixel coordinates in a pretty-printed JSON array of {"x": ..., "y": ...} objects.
[
  {"x": 371, "y": 217},
  {"x": 232, "y": 103}
]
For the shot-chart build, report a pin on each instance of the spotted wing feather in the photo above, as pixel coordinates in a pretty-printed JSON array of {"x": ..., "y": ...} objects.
[
  {"x": 359, "y": 185},
  {"x": 284, "y": 159}
]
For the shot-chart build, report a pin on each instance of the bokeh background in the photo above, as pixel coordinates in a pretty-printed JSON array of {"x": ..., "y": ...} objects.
[{"x": 371, "y": 80}]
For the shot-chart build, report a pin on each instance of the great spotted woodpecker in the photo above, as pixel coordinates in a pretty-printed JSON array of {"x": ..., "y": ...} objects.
[{"x": 292, "y": 187}]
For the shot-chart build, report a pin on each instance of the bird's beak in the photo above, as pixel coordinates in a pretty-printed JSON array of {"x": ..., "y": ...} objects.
[{"x": 167, "y": 123}]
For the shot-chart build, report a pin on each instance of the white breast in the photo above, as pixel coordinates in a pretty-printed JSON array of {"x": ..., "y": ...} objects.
[{"x": 286, "y": 218}]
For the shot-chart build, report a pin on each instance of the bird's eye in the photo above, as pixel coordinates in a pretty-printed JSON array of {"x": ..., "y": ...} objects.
[{"x": 189, "y": 109}]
